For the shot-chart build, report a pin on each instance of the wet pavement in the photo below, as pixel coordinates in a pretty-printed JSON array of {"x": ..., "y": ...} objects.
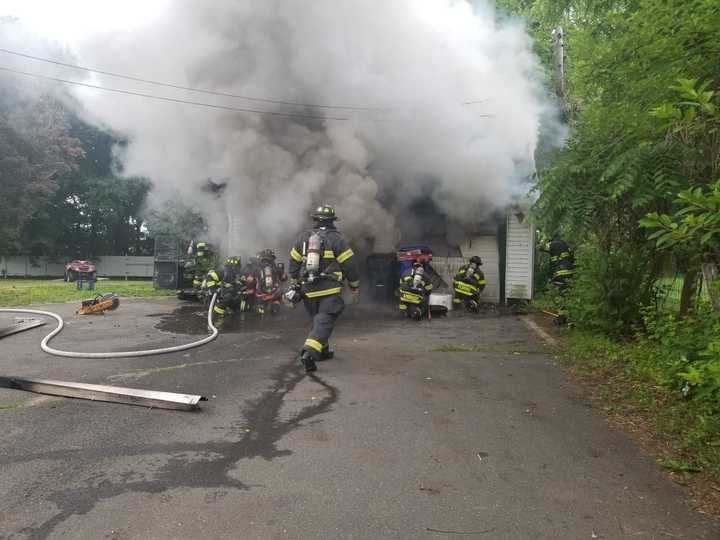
[{"x": 459, "y": 427}]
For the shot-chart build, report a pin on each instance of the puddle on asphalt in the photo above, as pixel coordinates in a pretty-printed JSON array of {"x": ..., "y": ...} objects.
[{"x": 191, "y": 319}]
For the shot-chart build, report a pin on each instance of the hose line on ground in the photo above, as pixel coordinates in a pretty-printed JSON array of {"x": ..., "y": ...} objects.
[{"x": 125, "y": 354}]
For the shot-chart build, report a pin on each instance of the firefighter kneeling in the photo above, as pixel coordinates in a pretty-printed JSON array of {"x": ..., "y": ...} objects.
[
  {"x": 319, "y": 261},
  {"x": 229, "y": 287},
  {"x": 468, "y": 283},
  {"x": 415, "y": 291}
]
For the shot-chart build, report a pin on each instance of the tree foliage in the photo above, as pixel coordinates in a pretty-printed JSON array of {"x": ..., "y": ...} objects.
[
  {"x": 622, "y": 160},
  {"x": 63, "y": 192},
  {"x": 36, "y": 149}
]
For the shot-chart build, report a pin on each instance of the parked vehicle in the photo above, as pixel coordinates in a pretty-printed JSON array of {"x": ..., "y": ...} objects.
[{"x": 80, "y": 268}]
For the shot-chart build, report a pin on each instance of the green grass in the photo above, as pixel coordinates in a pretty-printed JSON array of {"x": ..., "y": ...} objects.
[{"x": 20, "y": 292}]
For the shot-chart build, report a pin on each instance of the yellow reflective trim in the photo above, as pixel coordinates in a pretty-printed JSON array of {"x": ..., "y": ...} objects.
[
  {"x": 314, "y": 344},
  {"x": 338, "y": 275},
  {"x": 345, "y": 255},
  {"x": 412, "y": 298},
  {"x": 295, "y": 255},
  {"x": 328, "y": 254},
  {"x": 465, "y": 288},
  {"x": 219, "y": 310},
  {"x": 428, "y": 287},
  {"x": 403, "y": 306},
  {"x": 482, "y": 282},
  {"x": 463, "y": 292},
  {"x": 323, "y": 292}
]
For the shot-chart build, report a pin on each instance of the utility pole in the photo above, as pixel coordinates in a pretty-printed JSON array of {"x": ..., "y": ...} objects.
[{"x": 559, "y": 37}]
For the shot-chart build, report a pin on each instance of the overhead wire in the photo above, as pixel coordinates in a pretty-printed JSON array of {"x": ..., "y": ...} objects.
[
  {"x": 190, "y": 88},
  {"x": 173, "y": 100},
  {"x": 214, "y": 92}
]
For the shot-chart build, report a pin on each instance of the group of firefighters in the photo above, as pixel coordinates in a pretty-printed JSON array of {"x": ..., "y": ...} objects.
[
  {"x": 254, "y": 287},
  {"x": 321, "y": 262}
]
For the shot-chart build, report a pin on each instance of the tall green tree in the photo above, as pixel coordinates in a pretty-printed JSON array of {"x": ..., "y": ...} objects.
[
  {"x": 36, "y": 150},
  {"x": 619, "y": 164}
]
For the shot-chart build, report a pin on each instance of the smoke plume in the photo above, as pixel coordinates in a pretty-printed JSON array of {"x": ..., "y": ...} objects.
[{"x": 442, "y": 102}]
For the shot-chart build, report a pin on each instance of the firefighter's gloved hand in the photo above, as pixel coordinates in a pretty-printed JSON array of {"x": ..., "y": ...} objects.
[
  {"x": 293, "y": 295},
  {"x": 354, "y": 295}
]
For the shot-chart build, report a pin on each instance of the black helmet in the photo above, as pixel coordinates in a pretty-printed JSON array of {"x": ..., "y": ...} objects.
[
  {"x": 266, "y": 254},
  {"x": 324, "y": 212},
  {"x": 476, "y": 260}
]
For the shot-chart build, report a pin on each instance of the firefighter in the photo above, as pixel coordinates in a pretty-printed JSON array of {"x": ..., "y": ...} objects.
[
  {"x": 415, "y": 289},
  {"x": 562, "y": 263},
  {"x": 319, "y": 262},
  {"x": 264, "y": 258},
  {"x": 211, "y": 284},
  {"x": 268, "y": 275},
  {"x": 202, "y": 263},
  {"x": 230, "y": 286},
  {"x": 468, "y": 283}
]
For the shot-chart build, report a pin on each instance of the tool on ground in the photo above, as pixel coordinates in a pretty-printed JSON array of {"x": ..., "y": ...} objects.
[
  {"x": 101, "y": 392},
  {"x": 100, "y": 304},
  {"x": 124, "y": 354}
]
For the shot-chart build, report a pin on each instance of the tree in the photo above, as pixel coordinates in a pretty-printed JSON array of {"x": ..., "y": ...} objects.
[
  {"x": 36, "y": 148},
  {"x": 619, "y": 163}
]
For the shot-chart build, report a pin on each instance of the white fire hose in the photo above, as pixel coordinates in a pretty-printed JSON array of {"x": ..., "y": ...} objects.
[{"x": 129, "y": 354}]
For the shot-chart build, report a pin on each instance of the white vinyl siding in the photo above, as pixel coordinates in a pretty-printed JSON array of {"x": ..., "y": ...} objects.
[
  {"x": 520, "y": 259},
  {"x": 487, "y": 248}
]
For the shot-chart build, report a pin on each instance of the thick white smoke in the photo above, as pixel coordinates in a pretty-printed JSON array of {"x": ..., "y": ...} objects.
[{"x": 418, "y": 61}]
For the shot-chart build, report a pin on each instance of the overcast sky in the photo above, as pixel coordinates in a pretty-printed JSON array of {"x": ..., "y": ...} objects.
[{"x": 70, "y": 21}]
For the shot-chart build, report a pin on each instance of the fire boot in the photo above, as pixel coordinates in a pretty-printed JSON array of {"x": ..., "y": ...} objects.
[
  {"x": 308, "y": 361},
  {"x": 327, "y": 353}
]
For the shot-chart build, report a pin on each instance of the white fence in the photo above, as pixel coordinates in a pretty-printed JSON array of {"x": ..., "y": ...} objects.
[{"x": 110, "y": 266}]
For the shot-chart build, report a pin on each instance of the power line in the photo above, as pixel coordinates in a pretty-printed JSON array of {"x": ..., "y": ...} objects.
[
  {"x": 213, "y": 92},
  {"x": 191, "y": 89},
  {"x": 172, "y": 100}
]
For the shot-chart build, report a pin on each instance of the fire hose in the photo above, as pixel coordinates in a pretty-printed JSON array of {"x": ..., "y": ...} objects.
[{"x": 44, "y": 344}]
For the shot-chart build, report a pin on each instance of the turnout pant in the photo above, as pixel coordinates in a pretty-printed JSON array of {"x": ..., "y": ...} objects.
[{"x": 324, "y": 311}]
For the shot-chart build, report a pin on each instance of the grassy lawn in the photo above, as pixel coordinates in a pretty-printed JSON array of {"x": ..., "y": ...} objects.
[{"x": 17, "y": 292}]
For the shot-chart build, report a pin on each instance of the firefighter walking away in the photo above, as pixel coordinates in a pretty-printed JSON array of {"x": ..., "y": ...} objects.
[
  {"x": 320, "y": 262},
  {"x": 468, "y": 283}
]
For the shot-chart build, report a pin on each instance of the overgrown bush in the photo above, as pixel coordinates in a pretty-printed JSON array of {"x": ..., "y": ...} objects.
[{"x": 609, "y": 289}]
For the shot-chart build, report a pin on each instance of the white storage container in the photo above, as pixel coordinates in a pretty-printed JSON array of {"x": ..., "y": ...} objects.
[{"x": 439, "y": 299}]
